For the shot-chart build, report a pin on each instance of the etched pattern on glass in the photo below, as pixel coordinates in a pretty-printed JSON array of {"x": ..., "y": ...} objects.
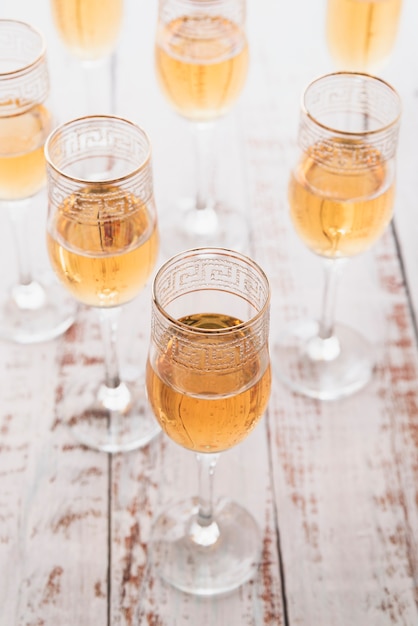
[
  {"x": 212, "y": 273},
  {"x": 23, "y": 68},
  {"x": 209, "y": 354},
  {"x": 97, "y": 158},
  {"x": 327, "y": 131},
  {"x": 204, "y": 351}
]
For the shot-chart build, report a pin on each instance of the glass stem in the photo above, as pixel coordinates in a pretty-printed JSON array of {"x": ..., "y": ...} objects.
[
  {"x": 204, "y": 146},
  {"x": 204, "y": 530},
  {"x": 206, "y": 464},
  {"x": 329, "y": 297},
  {"x": 109, "y": 327},
  {"x": 17, "y": 211},
  {"x": 27, "y": 294},
  {"x": 326, "y": 346},
  {"x": 114, "y": 395}
]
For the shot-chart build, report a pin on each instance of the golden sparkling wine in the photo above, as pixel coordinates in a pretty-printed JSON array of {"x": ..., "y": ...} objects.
[
  {"x": 341, "y": 212},
  {"x": 22, "y": 162},
  {"x": 361, "y": 34},
  {"x": 213, "y": 410},
  {"x": 103, "y": 262},
  {"x": 89, "y": 28},
  {"x": 201, "y": 64}
]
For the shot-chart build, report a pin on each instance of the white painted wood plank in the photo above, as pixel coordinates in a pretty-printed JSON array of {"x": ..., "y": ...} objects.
[
  {"x": 171, "y": 475},
  {"x": 54, "y": 502},
  {"x": 345, "y": 475},
  {"x": 164, "y": 475}
]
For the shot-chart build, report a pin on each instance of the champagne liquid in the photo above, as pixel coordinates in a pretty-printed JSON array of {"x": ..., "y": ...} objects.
[
  {"x": 211, "y": 411},
  {"x": 201, "y": 64},
  {"x": 362, "y": 33},
  {"x": 340, "y": 213},
  {"x": 22, "y": 162},
  {"x": 104, "y": 263},
  {"x": 89, "y": 28}
]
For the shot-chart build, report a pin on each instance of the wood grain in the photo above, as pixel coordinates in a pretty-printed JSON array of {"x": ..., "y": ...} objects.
[{"x": 333, "y": 486}]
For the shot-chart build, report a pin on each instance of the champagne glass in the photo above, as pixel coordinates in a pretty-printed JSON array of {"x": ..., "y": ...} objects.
[
  {"x": 90, "y": 30},
  {"x": 36, "y": 308},
  {"x": 362, "y": 33},
  {"x": 103, "y": 241},
  {"x": 201, "y": 59},
  {"x": 208, "y": 381},
  {"x": 341, "y": 196}
]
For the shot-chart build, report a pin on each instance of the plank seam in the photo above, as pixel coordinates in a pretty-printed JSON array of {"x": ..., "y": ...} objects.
[
  {"x": 405, "y": 280},
  {"x": 277, "y": 530}
]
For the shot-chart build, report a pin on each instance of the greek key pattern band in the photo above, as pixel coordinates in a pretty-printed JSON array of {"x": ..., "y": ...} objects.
[
  {"x": 350, "y": 121},
  {"x": 347, "y": 152},
  {"x": 24, "y": 77},
  {"x": 207, "y": 350},
  {"x": 99, "y": 168},
  {"x": 212, "y": 273}
]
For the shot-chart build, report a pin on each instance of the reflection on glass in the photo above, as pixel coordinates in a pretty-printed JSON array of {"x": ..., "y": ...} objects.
[
  {"x": 90, "y": 30},
  {"x": 35, "y": 309},
  {"x": 103, "y": 243},
  {"x": 341, "y": 196},
  {"x": 201, "y": 59},
  {"x": 208, "y": 381},
  {"x": 362, "y": 33}
]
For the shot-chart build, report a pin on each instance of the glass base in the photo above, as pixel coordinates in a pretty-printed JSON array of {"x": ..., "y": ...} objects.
[
  {"x": 205, "y": 568},
  {"x": 36, "y": 312},
  {"x": 326, "y": 370},
  {"x": 189, "y": 228},
  {"x": 96, "y": 417}
]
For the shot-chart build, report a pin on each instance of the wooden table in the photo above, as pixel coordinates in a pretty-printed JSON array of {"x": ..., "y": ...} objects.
[{"x": 333, "y": 486}]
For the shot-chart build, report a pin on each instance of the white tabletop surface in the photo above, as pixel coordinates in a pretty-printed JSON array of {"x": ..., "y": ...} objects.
[{"x": 333, "y": 485}]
